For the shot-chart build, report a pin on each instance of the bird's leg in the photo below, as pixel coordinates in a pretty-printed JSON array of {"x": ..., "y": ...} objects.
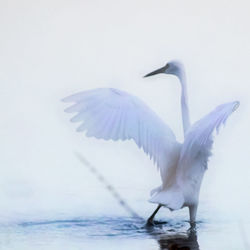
[
  {"x": 150, "y": 221},
  {"x": 192, "y": 215}
]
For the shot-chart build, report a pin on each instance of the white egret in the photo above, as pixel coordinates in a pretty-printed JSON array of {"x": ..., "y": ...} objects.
[{"x": 108, "y": 113}]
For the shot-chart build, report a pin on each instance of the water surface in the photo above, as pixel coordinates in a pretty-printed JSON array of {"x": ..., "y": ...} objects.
[{"x": 120, "y": 233}]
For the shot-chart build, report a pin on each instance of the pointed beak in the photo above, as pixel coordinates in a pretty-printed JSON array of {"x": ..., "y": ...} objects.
[{"x": 158, "y": 71}]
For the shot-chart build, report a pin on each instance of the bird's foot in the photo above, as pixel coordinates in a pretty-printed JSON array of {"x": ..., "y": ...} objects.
[
  {"x": 159, "y": 222},
  {"x": 192, "y": 226},
  {"x": 150, "y": 223}
]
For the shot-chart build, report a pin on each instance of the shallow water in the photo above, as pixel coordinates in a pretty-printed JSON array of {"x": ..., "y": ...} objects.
[
  {"x": 119, "y": 233},
  {"x": 96, "y": 233}
]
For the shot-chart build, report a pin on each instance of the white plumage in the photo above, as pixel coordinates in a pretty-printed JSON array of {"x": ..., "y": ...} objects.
[{"x": 112, "y": 114}]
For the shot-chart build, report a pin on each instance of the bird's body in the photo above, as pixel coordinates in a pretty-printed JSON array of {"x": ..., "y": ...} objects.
[{"x": 114, "y": 114}]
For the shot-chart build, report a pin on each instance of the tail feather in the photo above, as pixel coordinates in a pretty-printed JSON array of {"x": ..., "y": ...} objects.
[{"x": 171, "y": 198}]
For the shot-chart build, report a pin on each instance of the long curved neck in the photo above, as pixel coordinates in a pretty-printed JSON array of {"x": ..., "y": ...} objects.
[{"x": 184, "y": 101}]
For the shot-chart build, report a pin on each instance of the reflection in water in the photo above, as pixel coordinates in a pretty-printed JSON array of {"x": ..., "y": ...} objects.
[{"x": 177, "y": 241}]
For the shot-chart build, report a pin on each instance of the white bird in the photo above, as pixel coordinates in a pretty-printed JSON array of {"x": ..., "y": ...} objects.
[{"x": 108, "y": 113}]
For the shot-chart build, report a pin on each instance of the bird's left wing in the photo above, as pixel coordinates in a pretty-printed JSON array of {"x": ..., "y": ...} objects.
[
  {"x": 199, "y": 138},
  {"x": 114, "y": 114}
]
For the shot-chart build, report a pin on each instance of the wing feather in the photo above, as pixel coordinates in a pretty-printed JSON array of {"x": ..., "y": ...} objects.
[
  {"x": 199, "y": 138},
  {"x": 113, "y": 114}
]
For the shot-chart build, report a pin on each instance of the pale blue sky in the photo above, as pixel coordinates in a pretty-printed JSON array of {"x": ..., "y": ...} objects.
[{"x": 51, "y": 49}]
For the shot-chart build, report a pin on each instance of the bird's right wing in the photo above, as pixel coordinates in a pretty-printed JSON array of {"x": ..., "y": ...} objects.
[
  {"x": 199, "y": 138},
  {"x": 114, "y": 114}
]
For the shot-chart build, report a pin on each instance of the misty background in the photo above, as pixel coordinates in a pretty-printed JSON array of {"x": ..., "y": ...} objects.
[{"x": 52, "y": 49}]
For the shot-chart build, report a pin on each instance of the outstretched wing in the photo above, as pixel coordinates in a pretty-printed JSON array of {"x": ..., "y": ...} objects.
[
  {"x": 114, "y": 114},
  {"x": 199, "y": 138}
]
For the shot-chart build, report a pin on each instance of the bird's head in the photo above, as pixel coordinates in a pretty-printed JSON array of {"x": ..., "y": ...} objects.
[{"x": 172, "y": 68}]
